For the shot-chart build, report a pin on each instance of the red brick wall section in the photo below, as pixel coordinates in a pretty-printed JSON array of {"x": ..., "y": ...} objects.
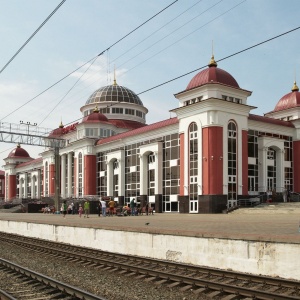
[
  {"x": 181, "y": 157},
  {"x": 90, "y": 175},
  {"x": 212, "y": 160},
  {"x": 296, "y": 165},
  {"x": 12, "y": 187},
  {"x": 245, "y": 162}
]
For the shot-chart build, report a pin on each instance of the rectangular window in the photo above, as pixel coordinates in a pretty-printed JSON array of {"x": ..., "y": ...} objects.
[{"x": 117, "y": 110}]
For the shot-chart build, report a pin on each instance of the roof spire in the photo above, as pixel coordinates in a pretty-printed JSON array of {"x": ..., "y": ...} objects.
[
  {"x": 18, "y": 146},
  {"x": 295, "y": 87},
  {"x": 96, "y": 110},
  {"x": 212, "y": 62},
  {"x": 61, "y": 124},
  {"x": 115, "y": 81}
]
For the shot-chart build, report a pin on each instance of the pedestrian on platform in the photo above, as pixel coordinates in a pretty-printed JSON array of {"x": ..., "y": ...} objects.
[
  {"x": 111, "y": 205},
  {"x": 288, "y": 195},
  {"x": 80, "y": 210},
  {"x": 99, "y": 208},
  {"x": 73, "y": 208},
  {"x": 86, "y": 208},
  {"x": 147, "y": 208},
  {"x": 103, "y": 205},
  {"x": 284, "y": 195},
  {"x": 64, "y": 207},
  {"x": 132, "y": 206}
]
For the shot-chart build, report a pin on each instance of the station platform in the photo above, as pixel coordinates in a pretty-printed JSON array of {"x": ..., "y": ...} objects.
[
  {"x": 265, "y": 239},
  {"x": 271, "y": 223}
]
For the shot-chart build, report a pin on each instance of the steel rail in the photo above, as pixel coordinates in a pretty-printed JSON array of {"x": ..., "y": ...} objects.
[
  {"x": 63, "y": 287},
  {"x": 130, "y": 265}
]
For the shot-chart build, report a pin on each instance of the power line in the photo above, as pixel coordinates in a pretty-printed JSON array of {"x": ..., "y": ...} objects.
[
  {"x": 178, "y": 28},
  {"x": 28, "y": 40},
  {"x": 157, "y": 30},
  {"x": 184, "y": 37},
  {"x": 226, "y": 57},
  {"x": 90, "y": 59}
]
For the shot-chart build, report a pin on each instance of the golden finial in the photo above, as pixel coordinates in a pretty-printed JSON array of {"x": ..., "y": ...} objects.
[
  {"x": 115, "y": 81},
  {"x": 61, "y": 124},
  {"x": 295, "y": 87},
  {"x": 96, "y": 110},
  {"x": 212, "y": 62},
  {"x": 18, "y": 146}
]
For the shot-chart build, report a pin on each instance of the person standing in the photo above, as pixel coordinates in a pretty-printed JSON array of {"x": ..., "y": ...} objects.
[
  {"x": 64, "y": 207},
  {"x": 132, "y": 206},
  {"x": 80, "y": 210},
  {"x": 103, "y": 205},
  {"x": 99, "y": 208},
  {"x": 86, "y": 207},
  {"x": 147, "y": 208},
  {"x": 111, "y": 205},
  {"x": 284, "y": 194},
  {"x": 73, "y": 208}
]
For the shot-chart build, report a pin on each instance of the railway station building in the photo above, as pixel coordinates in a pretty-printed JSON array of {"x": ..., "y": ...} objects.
[{"x": 211, "y": 154}]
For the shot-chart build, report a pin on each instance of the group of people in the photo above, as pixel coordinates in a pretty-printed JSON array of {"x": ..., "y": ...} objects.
[
  {"x": 132, "y": 209},
  {"x": 102, "y": 205},
  {"x": 272, "y": 195}
]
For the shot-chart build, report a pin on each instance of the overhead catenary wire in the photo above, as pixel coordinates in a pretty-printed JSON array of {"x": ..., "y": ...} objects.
[
  {"x": 200, "y": 68},
  {"x": 29, "y": 39},
  {"x": 224, "y": 58},
  {"x": 115, "y": 43},
  {"x": 184, "y": 37}
]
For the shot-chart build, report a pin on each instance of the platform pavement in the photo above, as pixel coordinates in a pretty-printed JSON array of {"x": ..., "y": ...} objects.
[{"x": 269, "y": 224}]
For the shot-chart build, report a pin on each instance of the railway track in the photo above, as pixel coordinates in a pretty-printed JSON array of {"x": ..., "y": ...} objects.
[
  {"x": 22, "y": 283},
  {"x": 216, "y": 284}
]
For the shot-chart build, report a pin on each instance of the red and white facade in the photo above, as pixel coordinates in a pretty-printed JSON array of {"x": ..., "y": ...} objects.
[{"x": 211, "y": 154}]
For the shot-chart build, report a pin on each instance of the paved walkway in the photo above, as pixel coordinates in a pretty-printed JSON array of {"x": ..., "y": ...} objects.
[{"x": 271, "y": 223}]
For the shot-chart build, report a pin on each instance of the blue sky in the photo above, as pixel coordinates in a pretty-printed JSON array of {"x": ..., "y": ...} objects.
[{"x": 157, "y": 52}]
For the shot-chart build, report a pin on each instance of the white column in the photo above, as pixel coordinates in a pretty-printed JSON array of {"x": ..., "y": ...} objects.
[
  {"x": 70, "y": 191},
  {"x": 262, "y": 169},
  {"x": 26, "y": 185},
  {"x": 143, "y": 174},
  {"x": 158, "y": 172},
  {"x": 63, "y": 175},
  {"x": 122, "y": 175},
  {"x": 38, "y": 182},
  {"x": 110, "y": 177},
  {"x": 280, "y": 171}
]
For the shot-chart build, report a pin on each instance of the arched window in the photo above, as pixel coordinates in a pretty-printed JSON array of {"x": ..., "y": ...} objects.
[{"x": 232, "y": 162}]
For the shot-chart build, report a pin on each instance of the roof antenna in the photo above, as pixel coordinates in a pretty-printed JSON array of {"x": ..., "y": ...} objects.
[
  {"x": 295, "y": 87},
  {"x": 115, "y": 81},
  {"x": 212, "y": 62}
]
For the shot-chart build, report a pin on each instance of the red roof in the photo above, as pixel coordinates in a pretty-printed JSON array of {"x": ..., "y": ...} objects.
[
  {"x": 290, "y": 100},
  {"x": 95, "y": 117},
  {"x": 18, "y": 152},
  {"x": 126, "y": 124},
  {"x": 34, "y": 161},
  {"x": 270, "y": 120},
  {"x": 212, "y": 75},
  {"x": 2, "y": 173},
  {"x": 137, "y": 131}
]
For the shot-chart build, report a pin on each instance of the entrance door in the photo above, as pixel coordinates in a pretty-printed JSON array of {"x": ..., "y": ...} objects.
[
  {"x": 270, "y": 183},
  {"x": 251, "y": 185},
  {"x": 193, "y": 206}
]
